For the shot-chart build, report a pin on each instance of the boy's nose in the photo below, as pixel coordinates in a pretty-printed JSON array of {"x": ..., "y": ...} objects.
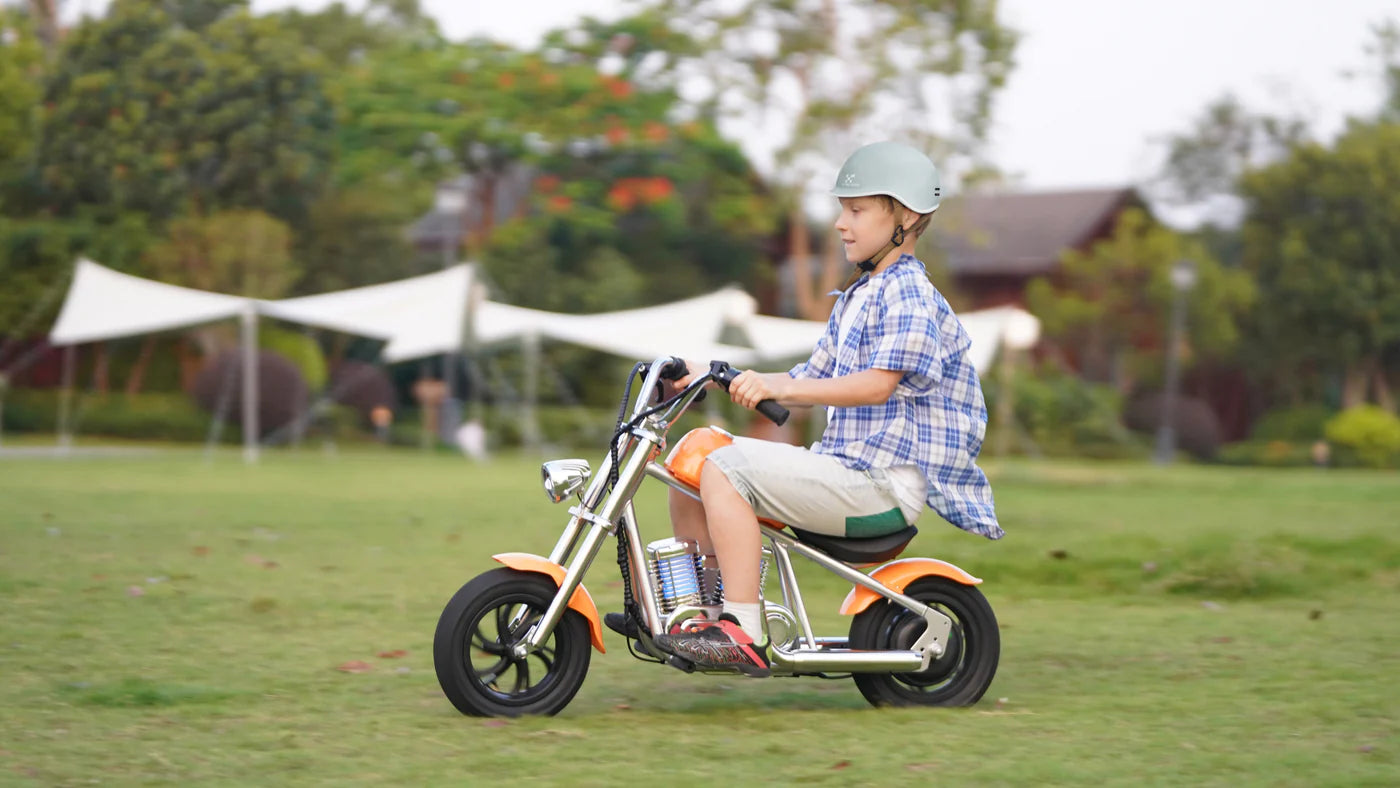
[{"x": 840, "y": 223}]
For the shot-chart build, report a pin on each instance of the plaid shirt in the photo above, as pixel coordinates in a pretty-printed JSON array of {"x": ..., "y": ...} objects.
[{"x": 936, "y": 418}]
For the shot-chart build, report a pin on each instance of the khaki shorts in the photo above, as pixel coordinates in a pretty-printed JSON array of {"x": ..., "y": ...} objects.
[{"x": 815, "y": 492}]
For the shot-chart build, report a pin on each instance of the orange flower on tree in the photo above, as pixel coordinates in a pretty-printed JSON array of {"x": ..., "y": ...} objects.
[
  {"x": 621, "y": 197},
  {"x": 547, "y": 183},
  {"x": 655, "y": 132},
  {"x": 616, "y": 134},
  {"x": 617, "y": 88},
  {"x": 559, "y": 203},
  {"x": 658, "y": 189},
  {"x": 506, "y": 80}
]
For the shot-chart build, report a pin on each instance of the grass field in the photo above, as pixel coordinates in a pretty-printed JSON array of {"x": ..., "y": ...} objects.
[{"x": 168, "y": 620}]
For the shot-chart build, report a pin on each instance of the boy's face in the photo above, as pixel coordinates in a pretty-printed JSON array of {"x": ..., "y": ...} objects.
[{"x": 865, "y": 225}]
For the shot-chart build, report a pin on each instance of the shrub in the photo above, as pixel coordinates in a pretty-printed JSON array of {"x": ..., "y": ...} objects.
[
  {"x": 1197, "y": 426},
  {"x": 301, "y": 350},
  {"x": 362, "y": 387},
  {"x": 1066, "y": 415},
  {"x": 145, "y": 416},
  {"x": 1292, "y": 424},
  {"x": 1274, "y": 453},
  {"x": 1370, "y": 433},
  {"x": 282, "y": 394}
]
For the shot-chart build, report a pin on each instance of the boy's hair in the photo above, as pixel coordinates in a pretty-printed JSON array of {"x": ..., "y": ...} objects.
[{"x": 891, "y": 204}]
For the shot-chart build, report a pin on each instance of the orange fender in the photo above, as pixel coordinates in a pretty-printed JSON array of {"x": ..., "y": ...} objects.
[
  {"x": 897, "y": 575},
  {"x": 581, "y": 601}
]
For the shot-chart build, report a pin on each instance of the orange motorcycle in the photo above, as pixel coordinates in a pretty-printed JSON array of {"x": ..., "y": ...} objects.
[{"x": 516, "y": 640}]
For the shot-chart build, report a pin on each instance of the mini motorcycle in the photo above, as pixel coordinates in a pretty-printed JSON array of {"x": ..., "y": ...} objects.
[{"x": 516, "y": 640}]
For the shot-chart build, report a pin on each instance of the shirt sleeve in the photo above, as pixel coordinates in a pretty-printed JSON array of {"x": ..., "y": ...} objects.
[
  {"x": 906, "y": 339},
  {"x": 822, "y": 362}
]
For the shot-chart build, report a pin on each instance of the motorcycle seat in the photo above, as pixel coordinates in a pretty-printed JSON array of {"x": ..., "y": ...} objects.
[{"x": 872, "y": 550}]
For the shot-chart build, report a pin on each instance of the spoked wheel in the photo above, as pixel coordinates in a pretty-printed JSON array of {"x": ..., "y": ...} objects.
[
  {"x": 472, "y": 648},
  {"x": 960, "y": 676}
]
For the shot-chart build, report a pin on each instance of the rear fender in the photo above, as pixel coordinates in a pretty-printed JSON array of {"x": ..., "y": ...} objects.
[
  {"x": 581, "y": 600},
  {"x": 897, "y": 575}
]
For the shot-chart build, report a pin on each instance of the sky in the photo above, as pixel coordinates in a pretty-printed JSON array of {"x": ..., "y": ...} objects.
[{"x": 1098, "y": 84}]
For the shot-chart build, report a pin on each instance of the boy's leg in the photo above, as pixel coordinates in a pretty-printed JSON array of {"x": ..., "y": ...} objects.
[
  {"x": 734, "y": 529},
  {"x": 688, "y": 522}
]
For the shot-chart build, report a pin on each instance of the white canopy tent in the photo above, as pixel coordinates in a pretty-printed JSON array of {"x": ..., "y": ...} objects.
[{"x": 446, "y": 312}]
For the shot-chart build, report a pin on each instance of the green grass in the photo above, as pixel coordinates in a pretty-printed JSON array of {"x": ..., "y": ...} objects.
[{"x": 168, "y": 620}]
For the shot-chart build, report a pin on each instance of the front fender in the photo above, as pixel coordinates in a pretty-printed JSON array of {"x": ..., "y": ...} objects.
[
  {"x": 581, "y": 600},
  {"x": 897, "y": 575}
]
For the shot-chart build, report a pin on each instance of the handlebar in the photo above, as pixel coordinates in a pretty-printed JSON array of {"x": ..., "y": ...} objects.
[
  {"x": 724, "y": 374},
  {"x": 673, "y": 368}
]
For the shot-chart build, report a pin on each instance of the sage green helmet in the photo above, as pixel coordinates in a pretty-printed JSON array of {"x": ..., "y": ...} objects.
[{"x": 891, "y": 169}]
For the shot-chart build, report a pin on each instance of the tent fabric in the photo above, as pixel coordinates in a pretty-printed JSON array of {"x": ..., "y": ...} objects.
[
  {"x": 106, "y": 304},
  {"x": 437, "y": 313},
  {"x": 410, "y": 313}
]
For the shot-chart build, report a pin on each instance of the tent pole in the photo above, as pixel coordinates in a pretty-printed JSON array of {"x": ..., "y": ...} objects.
[
  {"x": 529, "y": 416},
  {"x": 65, "y": 399},
  {"x": 249, "y": 320}
]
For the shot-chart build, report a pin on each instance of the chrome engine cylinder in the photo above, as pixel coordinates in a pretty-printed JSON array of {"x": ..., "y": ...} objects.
[{"x": 675, "y": 567}]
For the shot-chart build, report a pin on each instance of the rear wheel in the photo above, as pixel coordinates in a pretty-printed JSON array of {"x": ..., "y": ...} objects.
[
  {"x": 960, "y": 676},
  {"x": 472, "y": 648}
]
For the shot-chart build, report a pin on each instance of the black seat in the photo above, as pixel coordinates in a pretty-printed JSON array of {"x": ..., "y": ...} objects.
[{"x": 858, "y": 551}]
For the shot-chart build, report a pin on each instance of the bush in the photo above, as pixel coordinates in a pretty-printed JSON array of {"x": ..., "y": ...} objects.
[
  {"x": 1292, "y": 424},
  {"x": 1066, "y": 415},
  {"x": 1197, "y": 426},
  {"x": 147, "y": 416},
  {"x": 1370, "y": 433},
  {"x": 282, "y": 394},
  {"x": 362, "y": 387},
  {"x": 301, "y": 350},
  {"x": 1274, "y": 453}
]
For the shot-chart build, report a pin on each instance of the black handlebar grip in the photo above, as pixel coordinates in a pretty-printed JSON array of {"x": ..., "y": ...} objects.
[{"x": 776, "y": 413}]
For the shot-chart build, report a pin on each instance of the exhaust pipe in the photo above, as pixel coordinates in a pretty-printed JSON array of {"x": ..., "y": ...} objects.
[{"x": 847, "y": 661}]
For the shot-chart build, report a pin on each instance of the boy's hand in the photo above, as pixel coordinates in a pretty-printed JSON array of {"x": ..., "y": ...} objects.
[
  {"x": 751, "y": 388},
  {"x": 693, "y": 368}
]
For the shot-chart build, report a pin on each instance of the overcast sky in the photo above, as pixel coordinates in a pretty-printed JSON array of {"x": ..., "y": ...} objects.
[{"x": 1098, "y": 83}]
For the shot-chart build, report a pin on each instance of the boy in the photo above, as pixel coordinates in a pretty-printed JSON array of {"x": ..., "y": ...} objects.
[{"x": 906, "y": 417}]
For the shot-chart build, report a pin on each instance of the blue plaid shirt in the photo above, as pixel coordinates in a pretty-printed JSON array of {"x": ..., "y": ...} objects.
[{"x": 936, "y": 418}]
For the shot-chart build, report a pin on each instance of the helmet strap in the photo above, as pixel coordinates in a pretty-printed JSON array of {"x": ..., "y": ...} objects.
[{"x": 866, "y": 266}]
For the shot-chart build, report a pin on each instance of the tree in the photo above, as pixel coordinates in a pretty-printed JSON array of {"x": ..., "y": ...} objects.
[
  {"x": 21, "y": 71},
  {"x": 1203, "y": 166},
  {"x": 171, "y": 107},
  {"x": 239, "y": 252},
  {"x": 1323, "y": 243},
  {"x": 823, "y": 76},
  {"x": 1110, "y": 304}
]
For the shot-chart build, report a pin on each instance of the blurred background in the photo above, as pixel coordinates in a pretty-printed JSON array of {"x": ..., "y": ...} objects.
[{"x": 1197, "y": 202}]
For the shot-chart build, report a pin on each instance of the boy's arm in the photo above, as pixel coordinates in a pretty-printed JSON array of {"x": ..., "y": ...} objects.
[{"x": 867, "y": 387}]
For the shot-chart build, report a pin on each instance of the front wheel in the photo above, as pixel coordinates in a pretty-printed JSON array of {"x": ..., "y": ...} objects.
[
  {"x": 472, "y": 648},
  {"x": 960, "y": 676}
]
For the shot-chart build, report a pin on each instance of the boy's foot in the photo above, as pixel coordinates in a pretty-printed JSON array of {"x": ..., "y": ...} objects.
[
  {"x": 622, "y": 624},
  {"x": 719, "y": 644}
]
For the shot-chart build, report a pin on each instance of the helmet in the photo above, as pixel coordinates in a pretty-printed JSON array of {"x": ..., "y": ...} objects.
[{"x": 892, "y": 169}]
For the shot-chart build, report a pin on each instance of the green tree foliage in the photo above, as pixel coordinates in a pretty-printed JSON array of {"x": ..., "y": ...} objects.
[
  {"x": 353, "y": 237},
  {"x": 1324, "y": 245},
  {"x": 621, "y": 194},
  {"x": 21, "y": 72},
  {"x": 165, "y": 107},
  {"x": 827, "y": 76},
  {"x": 1111, "y": 303},
  {"x": 241, "y": 252}
]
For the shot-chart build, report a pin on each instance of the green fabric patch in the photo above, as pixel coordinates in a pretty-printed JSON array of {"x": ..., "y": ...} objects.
[{"x": 872, "y": 525}]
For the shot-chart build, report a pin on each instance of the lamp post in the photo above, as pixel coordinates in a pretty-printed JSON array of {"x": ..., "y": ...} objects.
[
  {"x": 1183, "y": 278},
  {"x": 451, "y": 202}
]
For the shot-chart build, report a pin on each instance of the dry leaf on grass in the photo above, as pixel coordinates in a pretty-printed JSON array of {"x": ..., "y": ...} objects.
[
  {"x": 493, "y": 723},
  {"x": 395, "y": 654},
  {"x": 355, "y": 666},
  {"x": 200, "y": 550},
  {"x": 135, "y": 591},
  {"x": 840, "y": 765}
]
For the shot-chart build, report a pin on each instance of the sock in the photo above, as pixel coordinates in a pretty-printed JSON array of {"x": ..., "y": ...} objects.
[{"x": 750, "y": 618}]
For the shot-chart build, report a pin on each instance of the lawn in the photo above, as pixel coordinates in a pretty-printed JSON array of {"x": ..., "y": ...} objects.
[{"x": 171, "y": 619}]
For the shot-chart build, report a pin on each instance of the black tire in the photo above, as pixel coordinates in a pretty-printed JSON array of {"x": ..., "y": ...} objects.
[
  {"x": 960, "y": 676},
  {"x": 470, "y": 648}
]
